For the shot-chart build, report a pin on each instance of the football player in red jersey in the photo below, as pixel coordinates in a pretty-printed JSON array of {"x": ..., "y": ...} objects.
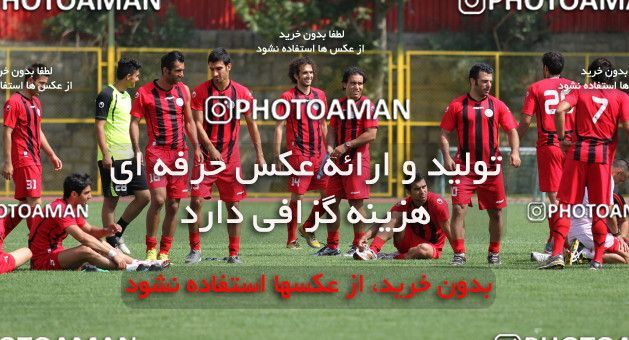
[
  {"x": 23, "y": 139},
  {"x": 476, "y": 117},
  {"x": 48, "y": 232},
  {"x": 598, "y": 109},
  {"x": 348, "y": 142},
  {"x": 541, "y": 100},
  {"x": 219, "y": 134},
  {"x": 416, "y": 240},
  {"x": 165, "y": 104},
  {"x": 305, "y": 138},
  {"x": 16, "y": 258}
]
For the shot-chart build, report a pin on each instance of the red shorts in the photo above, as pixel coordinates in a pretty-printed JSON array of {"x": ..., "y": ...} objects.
[
  {"x": 352, "y": 187},
  {"x": 7, "y": 262},
  {"x": 491, "y": 194},
  {"x": 550, "y": 160},
  {"x": 614, "y": 248},
  {"x": 27, "y": 181},
  {"x": 47, "y": 262},
  {"x": 229, "y": 189},
  {"x": 410, "y": 239},
  {"x": 301, "y": 184},
  {"x": 176, "y": 185},
  {"x": 578, "y": 175}
]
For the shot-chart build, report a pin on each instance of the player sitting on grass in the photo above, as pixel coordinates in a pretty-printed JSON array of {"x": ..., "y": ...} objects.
[
  {"x": 46, "y": 236},
  {"x": 14, "y": 259},
  {"x": 416, "y": 240}
]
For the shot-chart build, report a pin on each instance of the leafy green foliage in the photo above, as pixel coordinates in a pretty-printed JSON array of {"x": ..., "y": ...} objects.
[
  {"x": 133, "y": 28},
  {"x": 82, "y": 27},
  {"x": 499, "y": 30}
]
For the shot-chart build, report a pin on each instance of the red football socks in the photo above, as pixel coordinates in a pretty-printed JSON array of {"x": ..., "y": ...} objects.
[
  {"x": 151, "y": 242},
  {"x": 164, "y": 244},
  {"x": 195, "y": 240},
  {"x": 234, "y": 245},
  {"x": 292, "y": 225},
  {"x": 333, "y": 239},
  {"x": 376, "y": 244}
]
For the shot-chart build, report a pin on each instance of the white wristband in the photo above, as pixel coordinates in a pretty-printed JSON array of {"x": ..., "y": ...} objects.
[{"x": 112, "y": 253}]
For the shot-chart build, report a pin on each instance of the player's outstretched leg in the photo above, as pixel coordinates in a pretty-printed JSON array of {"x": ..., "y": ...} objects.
[
  {"x": 168, "y": 228},
  {"x": 309, "y": 223},
  {"x": 332, "y": 246},
  {"x": 194, "y": 236},
  {"x": 560, "y": 226},
  {"x": 458, "y": 234},
  {"x": 291, "y": 240},
  {"x": 158, "y": 199},
  {"x": 140, "y": 200},
  {"x": 233, "y": 229},
  {"x": 495, "y": 235}
]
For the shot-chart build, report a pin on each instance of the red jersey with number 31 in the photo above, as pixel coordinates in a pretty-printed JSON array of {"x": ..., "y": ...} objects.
[
  {"x": 596, "y": 117},
  {"x": 23, "y": 115},
  {"x": 542, "y": 99}
]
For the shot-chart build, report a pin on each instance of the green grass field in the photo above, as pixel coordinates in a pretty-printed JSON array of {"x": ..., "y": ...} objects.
[{"x": 573, "y": 302}]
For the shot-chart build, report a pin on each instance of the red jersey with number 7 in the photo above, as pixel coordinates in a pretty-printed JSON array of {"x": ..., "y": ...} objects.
[
  {"x": 542, "y": 99},
  {"x": 596, "y": 117}
]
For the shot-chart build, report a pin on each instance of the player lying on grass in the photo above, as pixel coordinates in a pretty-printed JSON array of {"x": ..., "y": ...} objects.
[
  {"x": 416, "y": 240},
  {"x": 14, "y": 259},
  {"x": 598, "y": 112},
  {"x": 47, "y": 235},
  {"x": 580, "y": 242}
]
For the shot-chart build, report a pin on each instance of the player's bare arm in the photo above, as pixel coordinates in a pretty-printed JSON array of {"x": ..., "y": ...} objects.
[
  {"x": 525, "y": 123},
  {"x": 394, "y": 222},
  {"x": 134, "y": 133},
  {"x": 52, "y": 157},
  {"x": 615, "y": 229},
  {"x": 7, "y": 168},
  {"x": 101, "y": 232},
  {"x": 102, "y": 143},
  {"x": 560, "y": 123},
  {"x": 277, "y": 143},
  {"x": 366, "y": 137},
  {"x": 514, "y": 143},
  {"x": 191, "y": 127},
  {"x": 444, "y": 144},
  {"x": 102, "y": 248},
  {"x": 445, "y": 226},
  {"x": 254, "y": 133},
  {"x": 324, "y": 129},
  {"x": 203, "y": 138},
  {"x": 330, "y": 139}
]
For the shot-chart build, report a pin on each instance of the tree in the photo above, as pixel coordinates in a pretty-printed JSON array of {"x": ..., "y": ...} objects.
[
  {"x": 355, "y": 18},
  {"x": 133, "y": 28},
  {"x": 510, "y": 31}
]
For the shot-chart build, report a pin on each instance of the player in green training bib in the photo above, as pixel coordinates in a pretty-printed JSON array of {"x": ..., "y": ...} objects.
[{"x": 113, "y": 116}]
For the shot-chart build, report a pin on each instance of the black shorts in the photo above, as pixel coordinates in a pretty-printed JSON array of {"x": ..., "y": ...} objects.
[{"x": 110, "y": 189}]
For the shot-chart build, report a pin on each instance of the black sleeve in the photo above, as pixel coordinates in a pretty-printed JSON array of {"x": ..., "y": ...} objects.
[{"x": 103, "y": 101}]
